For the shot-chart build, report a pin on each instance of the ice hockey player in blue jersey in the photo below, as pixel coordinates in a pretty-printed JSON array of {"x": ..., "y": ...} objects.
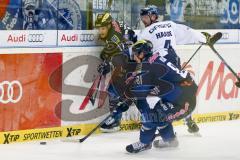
[{"x": 163, "y": 93}]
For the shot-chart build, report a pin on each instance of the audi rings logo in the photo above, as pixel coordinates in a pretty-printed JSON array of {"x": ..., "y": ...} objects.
[
  {"x": 225, "y": 35},
  {"x": 86, "y": 37},
  {"x": 10, "y": 92},
  {"x": 35, "y": 38}
]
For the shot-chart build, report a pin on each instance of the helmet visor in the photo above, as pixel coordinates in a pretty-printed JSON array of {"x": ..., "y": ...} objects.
[
  {"x": 137, "y": 49},
  {"x": 143, "y": 12}
]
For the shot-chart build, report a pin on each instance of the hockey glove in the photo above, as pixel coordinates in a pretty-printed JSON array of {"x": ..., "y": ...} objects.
[
  {"x": 104, "y": 68},
  {"x": 120, "y": 103},
  {"x": 211, "y": 39},
  {"x": 132, "y": 36}
]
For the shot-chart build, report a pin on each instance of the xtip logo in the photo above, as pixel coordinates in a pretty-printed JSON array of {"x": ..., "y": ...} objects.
[
  {"x": 234, "y": 116},
  {"x": 73, "y": 132},
  {"x": 8, "y": 138}
]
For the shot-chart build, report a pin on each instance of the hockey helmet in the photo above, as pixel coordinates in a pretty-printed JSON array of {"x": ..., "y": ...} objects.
[
  {"x": 103, "y": 20},
  {"x": 144, "y": 46},
  {"x": 150, "y": 9}
]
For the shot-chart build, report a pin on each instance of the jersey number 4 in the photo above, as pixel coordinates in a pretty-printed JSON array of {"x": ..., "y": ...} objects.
[{"x": 167, "y": 44}]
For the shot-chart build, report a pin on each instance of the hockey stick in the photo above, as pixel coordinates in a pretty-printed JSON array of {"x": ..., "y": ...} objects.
[
  {"x": 93, "y": 97},
  {"x": 94, "y": 129},
  {"x": 192, "y": 56},
  {"x": 225, "y": 63},
  {"x": 214, "y": 39},
  {"x": 103, "y": 121},
  {"x": 89, "y": 134},
  {"x": 90, "y": 93},
  {"x": 109, "y": 5}
]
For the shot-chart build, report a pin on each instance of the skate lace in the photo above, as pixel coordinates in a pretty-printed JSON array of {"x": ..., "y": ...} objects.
[{"x": 138, "y": 145}]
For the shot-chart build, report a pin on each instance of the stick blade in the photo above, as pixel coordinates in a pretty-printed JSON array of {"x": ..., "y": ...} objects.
[
  {"x": 81, "y": 140},
  {"x": 216, "y": 37}
]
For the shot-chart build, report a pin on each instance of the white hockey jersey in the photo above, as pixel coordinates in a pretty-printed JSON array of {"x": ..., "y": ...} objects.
[{"x": 167, "y": 33}]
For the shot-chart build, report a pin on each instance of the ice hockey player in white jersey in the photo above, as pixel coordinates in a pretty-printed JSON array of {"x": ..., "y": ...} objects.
[{"x": 165, "y": 35}]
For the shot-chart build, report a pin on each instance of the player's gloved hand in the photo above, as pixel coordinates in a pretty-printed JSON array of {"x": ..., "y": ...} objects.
[
  {"x": 210, "y": 39},
  {"x": 132, "y": 36},
  {"x": 188, "y": 81},
  {"x": 207, "y": 35},
  {"x": 104, "y": 68}
]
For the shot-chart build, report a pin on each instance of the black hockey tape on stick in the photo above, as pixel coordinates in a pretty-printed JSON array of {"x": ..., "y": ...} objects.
[{"x": 219, "y": 34}]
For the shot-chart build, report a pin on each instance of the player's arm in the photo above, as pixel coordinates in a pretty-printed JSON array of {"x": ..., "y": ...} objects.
[
  {"x": 128, "y": 33},
  {"x": 187, "y": 35}
]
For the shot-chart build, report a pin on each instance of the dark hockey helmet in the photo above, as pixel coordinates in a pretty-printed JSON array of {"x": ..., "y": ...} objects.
[
  {"x": 103, "y": 20},
  {"x": 150, "y": 9},
  {"x": 144, "y": 46}
]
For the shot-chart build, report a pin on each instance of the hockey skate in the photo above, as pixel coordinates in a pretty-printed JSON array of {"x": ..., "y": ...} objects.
[
  {"x": 138, "y": 147},
  {"x": 111, "y": 125},
  {"x": 192, "y": 126},
  {"x": 166, "y": 144}
]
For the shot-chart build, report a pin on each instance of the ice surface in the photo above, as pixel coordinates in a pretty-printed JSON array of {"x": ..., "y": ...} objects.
[{"x": 219, "y": 141}]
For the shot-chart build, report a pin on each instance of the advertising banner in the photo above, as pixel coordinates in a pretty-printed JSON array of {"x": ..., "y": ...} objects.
[
  {"x": 41, "y": 38},
  {"x": 78, "y": 38},
  {"x": 44, "y": 133},
  {"x": 26, "y": 99},
  {"x": 217, "y": 91}
]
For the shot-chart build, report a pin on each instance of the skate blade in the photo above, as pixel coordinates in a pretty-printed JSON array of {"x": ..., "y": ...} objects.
[
  {"x": 197, "y": 134},
  {"x": 70, "y": 140},
  {"x": 159, "y": 144}
]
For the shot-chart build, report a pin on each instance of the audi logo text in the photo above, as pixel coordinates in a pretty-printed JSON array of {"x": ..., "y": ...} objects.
[
  {"x": 86, "y": 37},
  {"x": 35, "y": 38},
  {"x": 10, "y": 92}
]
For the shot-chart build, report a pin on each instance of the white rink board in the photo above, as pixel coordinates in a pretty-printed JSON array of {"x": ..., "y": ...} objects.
[
  {"x": 206, "y": 104},
  {"x": 199, "y": 63}
]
